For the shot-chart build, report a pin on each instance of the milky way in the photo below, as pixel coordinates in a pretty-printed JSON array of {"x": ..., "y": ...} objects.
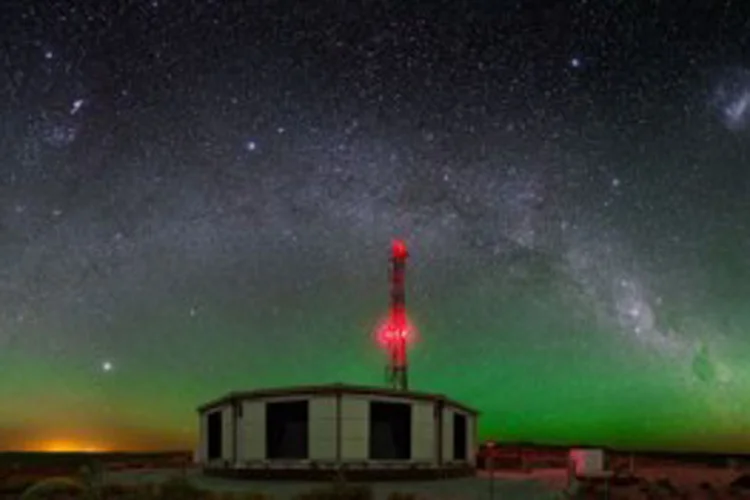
[{"x": 199, "y": 197}]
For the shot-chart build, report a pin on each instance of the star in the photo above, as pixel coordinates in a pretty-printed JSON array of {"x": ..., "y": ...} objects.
[{"x": 76, "y": 106}]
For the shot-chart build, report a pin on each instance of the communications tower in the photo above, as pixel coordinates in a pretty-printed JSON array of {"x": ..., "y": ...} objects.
[{"x": 396, "y": 332}]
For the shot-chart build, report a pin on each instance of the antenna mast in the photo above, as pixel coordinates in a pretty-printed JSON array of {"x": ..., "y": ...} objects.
[{"x": 398, "y": 329}]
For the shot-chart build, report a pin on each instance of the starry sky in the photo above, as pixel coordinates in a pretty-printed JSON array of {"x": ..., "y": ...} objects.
[{"x": 199, "y": 196}]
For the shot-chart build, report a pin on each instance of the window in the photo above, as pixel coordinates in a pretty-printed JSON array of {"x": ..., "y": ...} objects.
[
  {"x": 214, "y": 438},
  {"x": 390, "y": 431},
  {"x": 287, "y": 430},
  {"x": 460, "y": 437}
]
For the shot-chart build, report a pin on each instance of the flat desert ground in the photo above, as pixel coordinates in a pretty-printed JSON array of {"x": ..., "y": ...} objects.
[
  {"x": 474, "y": 488},
  {"x": 655, "y": 479},
  {"x": 688, "y": 482}
]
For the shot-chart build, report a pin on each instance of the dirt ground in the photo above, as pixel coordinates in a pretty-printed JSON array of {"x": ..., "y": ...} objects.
[
  {"x": 475, "y": 488},
  {"x": 682, "y": 482},
  {"x": 667, "y": 481}
]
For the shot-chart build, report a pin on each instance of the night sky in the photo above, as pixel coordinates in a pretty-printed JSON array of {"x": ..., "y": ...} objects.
[{"x": 199, "y": 196}]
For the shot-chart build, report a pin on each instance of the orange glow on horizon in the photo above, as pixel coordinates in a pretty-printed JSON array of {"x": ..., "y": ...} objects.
[
  {"x": 96, "y": 440},
  {"x": 66, "y": 446}
]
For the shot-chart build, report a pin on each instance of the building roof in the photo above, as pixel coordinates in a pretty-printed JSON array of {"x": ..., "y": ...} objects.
[{"x": 332, "y": 389}]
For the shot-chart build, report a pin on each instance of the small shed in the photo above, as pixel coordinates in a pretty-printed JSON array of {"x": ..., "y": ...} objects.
[{"x": 588, "y": 463}]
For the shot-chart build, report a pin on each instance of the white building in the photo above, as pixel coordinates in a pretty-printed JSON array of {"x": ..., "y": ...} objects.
[{"x": 364, "y": 432}]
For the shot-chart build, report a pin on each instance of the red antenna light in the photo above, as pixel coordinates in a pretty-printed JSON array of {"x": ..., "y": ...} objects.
[
  {"x": 396, "y": 331},
  {"x": 398, "y": 250}
]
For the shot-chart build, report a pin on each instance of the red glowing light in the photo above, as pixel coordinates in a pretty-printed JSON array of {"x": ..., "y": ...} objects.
[
  {"x": 399, "y": 250},
  {"x": 395, "y": 331}
]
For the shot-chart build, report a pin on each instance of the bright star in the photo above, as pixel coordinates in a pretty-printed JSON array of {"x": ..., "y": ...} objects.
[{"x": 76, "y": 106}]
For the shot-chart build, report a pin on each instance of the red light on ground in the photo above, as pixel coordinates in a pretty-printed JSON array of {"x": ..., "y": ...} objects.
[{"x": 399, "y": 250}]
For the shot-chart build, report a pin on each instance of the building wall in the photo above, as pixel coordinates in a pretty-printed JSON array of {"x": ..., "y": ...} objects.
[
  {"x": 447, "y": 434},
  {"x": 355, "y": 416},
  {"x": 226, "y": 433},
  {"x": 471, "y": 438},
  {"x": 323, "y": 426},
  {"x": 471, "y": 423},
  {"x": 423, "y": 431},
  {"x": 355, "y": 427},
  {"x": 251, "y": 431}
]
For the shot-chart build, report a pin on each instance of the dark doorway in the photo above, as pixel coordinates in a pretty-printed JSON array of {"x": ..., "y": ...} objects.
[
  {"x": 390, "y": 431},
  {"x": 459, "y": 437},
  {"x": 214, "y": 436},
  {"x": 287, "y": 430}
]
